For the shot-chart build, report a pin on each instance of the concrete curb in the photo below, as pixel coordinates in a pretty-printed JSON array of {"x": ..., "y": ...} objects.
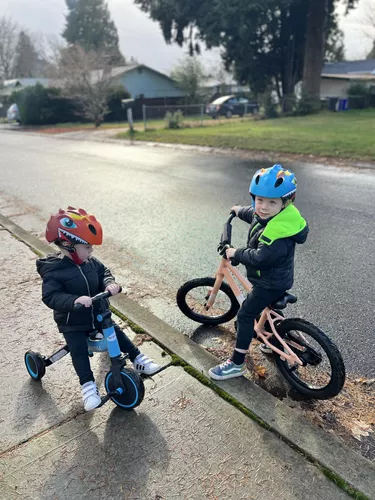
[{"x": 320, "y": 447}]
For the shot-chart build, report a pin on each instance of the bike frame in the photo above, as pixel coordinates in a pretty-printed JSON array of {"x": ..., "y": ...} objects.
[
  {"x": 227, "y": 271},
  {"x": 108, "y": 343}
]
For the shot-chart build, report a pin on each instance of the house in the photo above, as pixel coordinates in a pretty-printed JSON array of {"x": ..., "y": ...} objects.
[
  {"x": 336, "y": 78},
  {"x": 142, "y": 82},
  {"x": 10, "y": 86},
  {"x": 145, "y": 83}
]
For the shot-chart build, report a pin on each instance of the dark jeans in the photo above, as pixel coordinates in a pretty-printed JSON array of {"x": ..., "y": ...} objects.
[
  {"x": 77, "y": 343},
  {"x": 257, "y": 300}
]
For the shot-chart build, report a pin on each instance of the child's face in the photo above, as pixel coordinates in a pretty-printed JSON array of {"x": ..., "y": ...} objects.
[
  {"x": 267, "y": 207},
  {"x": 83, "y": 251}
]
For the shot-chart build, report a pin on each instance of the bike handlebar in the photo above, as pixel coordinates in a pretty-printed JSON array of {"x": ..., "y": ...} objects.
[
  {"x": 226, "y": 237},
  {"x": 95, "y": 298}
]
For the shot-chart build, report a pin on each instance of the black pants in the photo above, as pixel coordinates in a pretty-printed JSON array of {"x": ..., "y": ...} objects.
[
  {"x": 257, "y": 300},
  {"x": 77, "y": 343}
]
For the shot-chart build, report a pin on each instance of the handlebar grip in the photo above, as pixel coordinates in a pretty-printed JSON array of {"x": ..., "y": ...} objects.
[{"x": 99, "y": 296}]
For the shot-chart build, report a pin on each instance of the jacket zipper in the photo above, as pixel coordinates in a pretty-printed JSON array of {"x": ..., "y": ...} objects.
[
  {"x": 67, "y": 318},
  {"x": 88, "y": 289}
]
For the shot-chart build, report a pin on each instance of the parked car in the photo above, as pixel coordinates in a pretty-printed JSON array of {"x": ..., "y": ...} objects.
[
  {"x": 230, "y": 105},
  {"x": 13, "y": 114}
]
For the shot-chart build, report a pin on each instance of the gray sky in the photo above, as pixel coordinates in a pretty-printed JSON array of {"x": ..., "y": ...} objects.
[{"x": 141, "y": 37}]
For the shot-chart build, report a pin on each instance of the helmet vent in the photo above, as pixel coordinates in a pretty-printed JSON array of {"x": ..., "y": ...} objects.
[
  {"x": 278, "y": 182},
  {"x": 257, "y": 179},
  {"x": 92, "y": 229}
]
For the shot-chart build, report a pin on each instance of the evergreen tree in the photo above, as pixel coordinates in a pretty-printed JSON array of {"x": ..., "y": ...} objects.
[
  {"x": 26, "y": 58},
  {"x": 89, "y": 24}
]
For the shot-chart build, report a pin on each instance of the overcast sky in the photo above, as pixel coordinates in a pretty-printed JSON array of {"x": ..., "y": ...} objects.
[{"x": 141, "y": 37}]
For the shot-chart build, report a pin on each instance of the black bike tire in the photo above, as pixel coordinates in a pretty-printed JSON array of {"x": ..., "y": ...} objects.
[
  {"x": 199, "y": 318},
  {"x": 38, "y": 363},
  {"x": 135, "y": 381},
  {"x": 334, "y": 387}
]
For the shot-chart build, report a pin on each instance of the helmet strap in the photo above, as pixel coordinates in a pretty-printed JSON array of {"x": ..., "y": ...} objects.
[{"x": 73, "y": 252}]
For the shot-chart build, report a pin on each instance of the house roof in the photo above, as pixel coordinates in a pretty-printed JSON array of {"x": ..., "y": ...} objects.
[
  {"x": 346, "y": 67},
  {"x": 126, "y": 69},
  {"x": 350, "y": 76},
  {"x": 122, "y": 70},
  {"x": 25, "y": 82}
]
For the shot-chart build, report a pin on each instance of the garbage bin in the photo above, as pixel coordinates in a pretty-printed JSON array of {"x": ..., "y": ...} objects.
[
  {"x": 342, "y": 105},
  {"x": 332, "y": 103}
]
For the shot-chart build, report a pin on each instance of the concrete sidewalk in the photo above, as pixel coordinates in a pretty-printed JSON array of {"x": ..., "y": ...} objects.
[{"x": 183, "y": 441}]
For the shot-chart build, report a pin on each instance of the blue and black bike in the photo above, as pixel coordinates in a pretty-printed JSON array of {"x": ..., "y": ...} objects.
[{"x": 123, "y": 385}]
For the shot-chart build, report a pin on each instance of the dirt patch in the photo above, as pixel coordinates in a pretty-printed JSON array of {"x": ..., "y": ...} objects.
[
  {"x": 350, "y": 416},
  {"x": 62, "y": 130}
]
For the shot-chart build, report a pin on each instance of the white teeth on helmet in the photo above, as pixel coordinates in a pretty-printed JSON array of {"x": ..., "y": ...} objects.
[{"x": 73, "y": 237}]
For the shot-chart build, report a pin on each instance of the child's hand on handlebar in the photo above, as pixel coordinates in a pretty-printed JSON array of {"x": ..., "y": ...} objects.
[
  {"x": 230, "y": 253},
  {"x": 84, "y": 300},
  {"x": 113, "y": 288},
  {"x": 235, "y": 209}
]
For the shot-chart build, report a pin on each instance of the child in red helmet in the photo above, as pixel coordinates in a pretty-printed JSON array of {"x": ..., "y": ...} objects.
[{"x": 72, "y": 277}]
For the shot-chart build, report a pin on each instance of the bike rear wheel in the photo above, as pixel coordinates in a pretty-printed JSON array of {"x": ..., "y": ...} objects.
[
  {"x": 35, "y": 365},
  {"x": 323, "y": 373},
  {"x": 192, "y": 298}
]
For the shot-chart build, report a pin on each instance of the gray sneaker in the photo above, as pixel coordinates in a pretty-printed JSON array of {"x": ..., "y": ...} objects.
[{"x": 227, "y": 370}]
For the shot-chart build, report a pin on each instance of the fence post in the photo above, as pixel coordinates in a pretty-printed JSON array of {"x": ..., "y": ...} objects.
[
  {"x": 201, "y": 115},
  {"x": 144, "y": 116}
]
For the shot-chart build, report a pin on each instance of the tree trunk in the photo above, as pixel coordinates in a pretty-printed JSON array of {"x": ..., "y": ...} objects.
[{"x": 314, "y": 49}]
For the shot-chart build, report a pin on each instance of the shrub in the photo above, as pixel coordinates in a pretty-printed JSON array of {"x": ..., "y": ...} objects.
[
  {"x": 269, "y": 107},
  {"x": 174, "y": 120},
  {"x": 116, "y": 111},
  {"x": 306, "y": 105},
  {"x": 359, "y": 96},
  {"x": 39, "y": 105}
]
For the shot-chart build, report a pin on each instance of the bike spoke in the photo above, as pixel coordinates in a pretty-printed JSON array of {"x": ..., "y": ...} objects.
[
  {"x": 317, "y": 372},
  {"x": 197, "y": 299}
]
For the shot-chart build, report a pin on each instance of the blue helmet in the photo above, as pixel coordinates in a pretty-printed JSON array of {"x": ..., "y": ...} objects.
[{"x": 274, "y": 182}]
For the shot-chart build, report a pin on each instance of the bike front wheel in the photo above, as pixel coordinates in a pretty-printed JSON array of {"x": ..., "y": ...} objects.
[
  {"x": 134, "y": 389},
  {"x": 192, "y": 300},
  {"x": 322, "y": 375}
]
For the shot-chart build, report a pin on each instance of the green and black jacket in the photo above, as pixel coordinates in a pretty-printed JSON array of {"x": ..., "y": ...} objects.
[{"x": 269, "y": 255}]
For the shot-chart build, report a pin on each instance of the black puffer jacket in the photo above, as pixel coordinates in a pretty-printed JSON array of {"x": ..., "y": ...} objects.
[
  {"x": 64, "y": 281},
  {"x": 269, "y": 255}
]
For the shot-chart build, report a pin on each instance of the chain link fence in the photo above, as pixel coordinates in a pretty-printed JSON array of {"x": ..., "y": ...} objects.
[{"x": 190, "y": 115}]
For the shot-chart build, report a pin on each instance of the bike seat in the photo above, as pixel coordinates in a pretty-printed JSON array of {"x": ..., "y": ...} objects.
[
  {"x": 95, "y": 335},
  {"x": 283, "y": 301}
]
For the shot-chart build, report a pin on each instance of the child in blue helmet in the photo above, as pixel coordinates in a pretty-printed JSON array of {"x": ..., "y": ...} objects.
[{"x": 275, "y": 227}]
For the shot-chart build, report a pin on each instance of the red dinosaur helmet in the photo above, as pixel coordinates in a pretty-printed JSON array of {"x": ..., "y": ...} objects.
[{"x": 75, "y": 226}]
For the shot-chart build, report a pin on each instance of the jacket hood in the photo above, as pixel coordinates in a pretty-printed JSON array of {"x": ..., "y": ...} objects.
[
  {"x": 51, "y": 263},
  {"x": 288, "y": 223}
]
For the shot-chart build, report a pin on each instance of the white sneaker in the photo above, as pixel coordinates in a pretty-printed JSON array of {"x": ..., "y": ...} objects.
[
  {"x": 90, "y": 396},
  {"x": 143, "y": 364}
]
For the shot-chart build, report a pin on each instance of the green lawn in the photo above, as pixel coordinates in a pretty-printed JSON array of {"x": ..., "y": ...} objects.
[{"x": 349, "y": 134}]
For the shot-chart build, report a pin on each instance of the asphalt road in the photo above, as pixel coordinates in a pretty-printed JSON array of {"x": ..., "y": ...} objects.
[{"x": 163, "y": 210}]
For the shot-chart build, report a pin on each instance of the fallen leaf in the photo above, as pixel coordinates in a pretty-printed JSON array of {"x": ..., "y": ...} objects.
[
  {"x": 360, "y": 380},
  {"x": 360, "y": 429},
  {"x": 260, "y": 371}
]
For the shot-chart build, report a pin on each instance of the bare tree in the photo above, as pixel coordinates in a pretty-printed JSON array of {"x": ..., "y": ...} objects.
[
  {"x": 8, "y": 40},
  {"x": 189, "y": 75},
  {"x": 367, "y": 22},
  {"x": 87, "y": 78}
]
